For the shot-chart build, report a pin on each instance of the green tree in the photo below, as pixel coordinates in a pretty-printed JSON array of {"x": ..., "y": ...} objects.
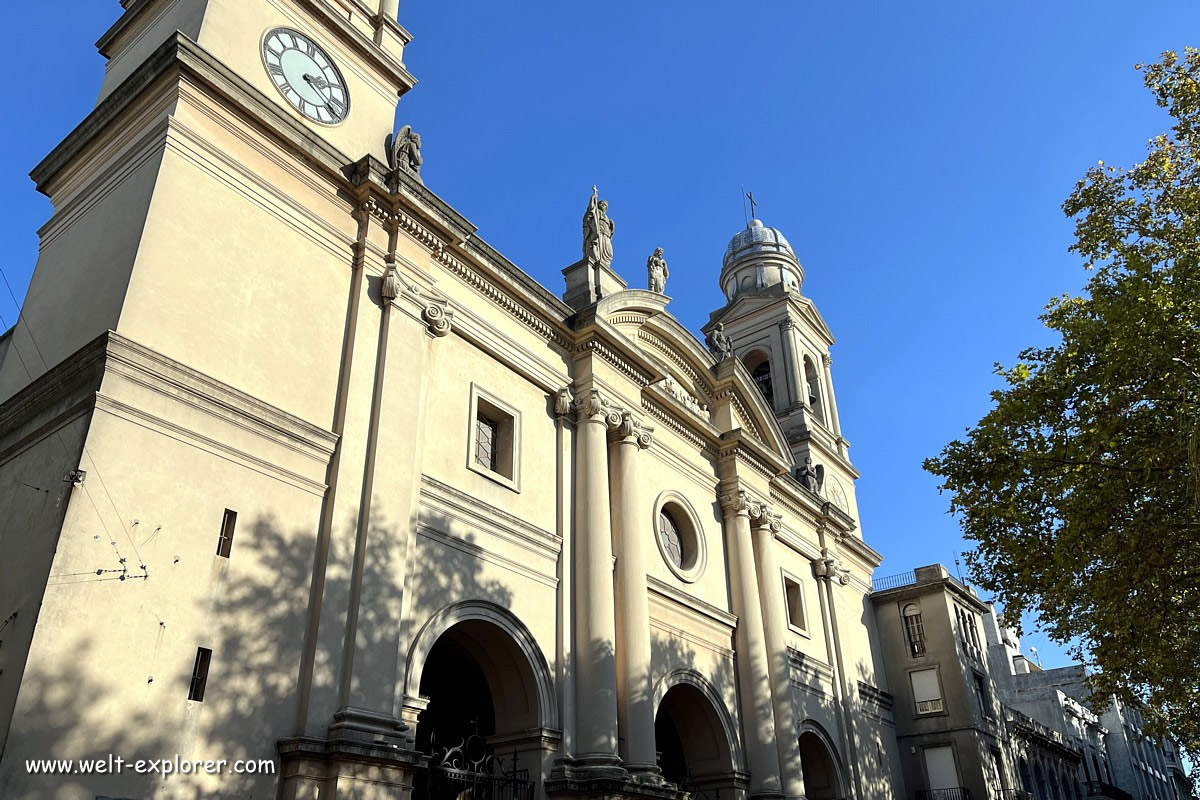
[{"x": 1079, "y": 488}]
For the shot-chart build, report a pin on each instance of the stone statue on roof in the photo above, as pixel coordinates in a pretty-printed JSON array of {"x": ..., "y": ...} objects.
[
  {"x": 597, "y": 232},
  {"x": 404, "y": 152}
]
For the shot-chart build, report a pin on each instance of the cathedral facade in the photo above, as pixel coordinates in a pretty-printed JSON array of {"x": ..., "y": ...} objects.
[{"x": 300, "y": 473}]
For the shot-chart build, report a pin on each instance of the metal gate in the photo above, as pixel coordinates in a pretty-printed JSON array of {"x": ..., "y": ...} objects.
[{"x": 470, "y": 771}]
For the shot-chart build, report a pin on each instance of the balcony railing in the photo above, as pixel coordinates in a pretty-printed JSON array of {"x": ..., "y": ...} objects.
[
  {"x": 1015, "y": 794},
  {"x": 957, "y": 793},
  {"x": 1106, "y": 791},
  {"x": 893, "y": 581}
]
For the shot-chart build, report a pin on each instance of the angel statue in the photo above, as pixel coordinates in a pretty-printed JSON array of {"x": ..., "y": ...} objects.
[
  {"x": 656, "y": 272},
  {"x": 597, "y": 232},
  {"x": 811, "y": 477},
  {"x": 719, "y": 343},
  {"x": 404, "y": 151}
]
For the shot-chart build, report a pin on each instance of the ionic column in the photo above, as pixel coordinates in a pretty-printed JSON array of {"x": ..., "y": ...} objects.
[
  {"x": 764, "y": 523},
  {"x": 827, "y": 363},
  {"x": 631, "y": 523},
  {"x": 594, "y": 659},
  {"x": 753, "y": 670}
]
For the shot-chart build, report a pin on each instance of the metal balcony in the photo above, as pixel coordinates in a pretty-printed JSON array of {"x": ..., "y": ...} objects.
[
  {"x": 957, "y": 793},
  {"x": 1015, "y": 794}
]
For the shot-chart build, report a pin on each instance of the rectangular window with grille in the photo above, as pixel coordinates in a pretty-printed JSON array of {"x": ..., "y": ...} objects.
[
  {"x": 495, "y": 439},
  {"x": 486, "y": 433},
  {"x": 914, "y": 630},
  {"x": 200, "y": 674}
]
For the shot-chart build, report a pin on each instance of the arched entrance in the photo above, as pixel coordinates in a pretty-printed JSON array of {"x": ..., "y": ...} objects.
[
  {"x": 693, "y": 736},
  {"x": 821, "y": 777},
  {"x": 488, "y": 716}
]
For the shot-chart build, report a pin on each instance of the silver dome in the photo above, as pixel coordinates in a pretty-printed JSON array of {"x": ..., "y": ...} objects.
[{"x": 756, "y": 239}]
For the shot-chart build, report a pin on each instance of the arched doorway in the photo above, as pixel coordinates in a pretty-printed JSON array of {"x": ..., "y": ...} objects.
[
  {"x": 693, "y": 737},
  {"x": 488, "y": 713},
  {"x": 460, "y": 699},
  {"x": 821, "y": 778}
]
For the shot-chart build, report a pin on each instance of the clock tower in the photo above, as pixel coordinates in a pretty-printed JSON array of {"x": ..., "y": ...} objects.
[{"x": 224, "y": 224}]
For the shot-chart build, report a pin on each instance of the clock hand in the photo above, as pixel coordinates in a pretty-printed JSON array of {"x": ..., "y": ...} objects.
[{"x": 319, "y": 84}]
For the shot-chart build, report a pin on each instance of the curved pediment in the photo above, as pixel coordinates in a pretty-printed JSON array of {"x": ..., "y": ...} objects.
[{"x": 723, "y": 395}]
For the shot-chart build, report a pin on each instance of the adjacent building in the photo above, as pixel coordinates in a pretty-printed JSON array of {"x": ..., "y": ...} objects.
[{"x": 975, "y": 718}]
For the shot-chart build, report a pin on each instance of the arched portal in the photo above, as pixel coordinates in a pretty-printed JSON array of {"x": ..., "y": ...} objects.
[
  {"x": 822, "y": 780},
  {"x": 693, "y": 736},
  {"x": 488, "y": 701}
]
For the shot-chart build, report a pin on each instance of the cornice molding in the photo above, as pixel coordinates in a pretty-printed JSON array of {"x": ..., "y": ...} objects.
[
  {"x": 672, "y": 421},
  {"x": 713, "y": 613}
]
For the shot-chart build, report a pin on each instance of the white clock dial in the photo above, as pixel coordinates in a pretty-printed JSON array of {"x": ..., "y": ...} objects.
[{"x": 306, "y": 76}]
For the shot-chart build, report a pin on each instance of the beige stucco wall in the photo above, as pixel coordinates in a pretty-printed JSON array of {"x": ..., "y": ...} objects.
[{"x": 110, "y": 663}]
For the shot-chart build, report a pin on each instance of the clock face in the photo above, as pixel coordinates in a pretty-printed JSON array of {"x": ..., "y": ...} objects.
[{"x": 306, "y": 76}]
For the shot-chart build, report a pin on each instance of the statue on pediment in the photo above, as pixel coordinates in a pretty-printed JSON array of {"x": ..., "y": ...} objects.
[
  {"x": 719, "y": 343},
  {"x": 404, "y": 152},
  {"x": 656, "y": 272},
  {"x": 597, "y": 232}
]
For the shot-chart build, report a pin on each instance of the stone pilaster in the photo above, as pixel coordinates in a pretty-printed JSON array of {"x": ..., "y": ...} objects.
[
  {"x": 829, "y": 572},
  {"x": 765, "y": 523},
  {"x": 631, "y": 524},
  {"x": 753, "y": 669}
]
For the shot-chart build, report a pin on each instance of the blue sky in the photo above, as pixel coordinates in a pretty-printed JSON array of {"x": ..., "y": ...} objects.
[{"x": 915, "y": 154}]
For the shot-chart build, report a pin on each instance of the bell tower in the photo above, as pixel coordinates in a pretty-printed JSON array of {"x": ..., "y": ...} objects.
[
  {"x": 359, "y": 39},
  {"x": 781, "y": 339},
  {"x": 221, "y": 144}
]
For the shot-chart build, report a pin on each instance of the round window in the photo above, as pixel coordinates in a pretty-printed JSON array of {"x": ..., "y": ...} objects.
[{"x": 679, "y": 536}]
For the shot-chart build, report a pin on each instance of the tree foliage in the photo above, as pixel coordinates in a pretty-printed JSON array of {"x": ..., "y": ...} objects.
[{"x": 1080, "y": 487}]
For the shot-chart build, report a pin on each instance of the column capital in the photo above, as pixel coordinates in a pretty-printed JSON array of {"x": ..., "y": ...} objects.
[
  {"x": 735, "y": 503},
  {"x": 827, "y": 359},
  {"x": 564, "y": 401},
  {"x": 762, "y": 515},
  {"x": 759, "y": 513},
  {"x": 829, "y": 567},
  {"x": 787, "y": 324},
  {"x": 631, "y": 430},
  {"x": 592, "y": 406}
]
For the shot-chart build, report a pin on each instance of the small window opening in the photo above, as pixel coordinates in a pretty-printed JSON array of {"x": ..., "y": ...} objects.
[
  {"x": 914, "y": 629},
  {"x": 225, "y": 542},
  {"x": 493, "y": 441},
  {"x": 985, "y": 697},
  {"x": 200, "y": 674},
  {"x": 795, "y": 604},
  {"x": 813, "y": 392}
]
